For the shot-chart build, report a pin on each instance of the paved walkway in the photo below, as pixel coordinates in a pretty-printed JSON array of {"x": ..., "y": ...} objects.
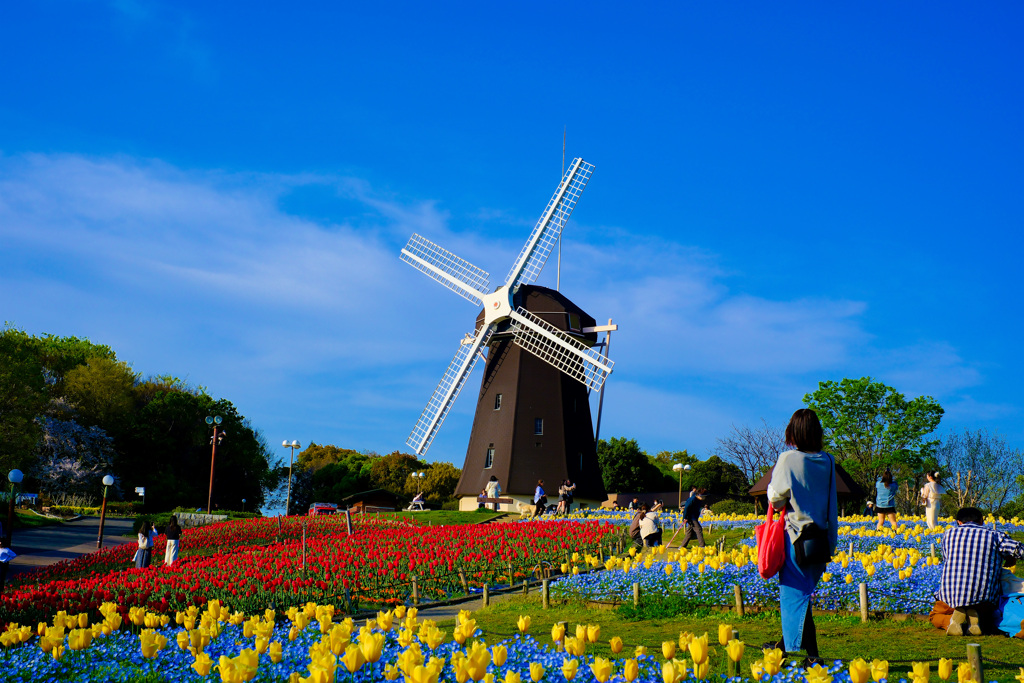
[{"x": 45, "y": 545}]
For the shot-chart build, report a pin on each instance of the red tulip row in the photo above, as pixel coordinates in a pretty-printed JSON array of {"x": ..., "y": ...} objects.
[{"x": 241, "y": 564}]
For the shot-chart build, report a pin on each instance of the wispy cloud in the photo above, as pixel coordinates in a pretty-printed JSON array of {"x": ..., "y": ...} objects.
[{"x": 316, "y": 323}]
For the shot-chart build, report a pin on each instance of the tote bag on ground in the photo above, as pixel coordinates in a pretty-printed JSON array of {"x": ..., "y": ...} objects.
[{"x": 771, "y": 544}]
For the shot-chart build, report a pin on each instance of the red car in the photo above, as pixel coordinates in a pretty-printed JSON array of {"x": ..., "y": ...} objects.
[{"x": 322, "y": 509}]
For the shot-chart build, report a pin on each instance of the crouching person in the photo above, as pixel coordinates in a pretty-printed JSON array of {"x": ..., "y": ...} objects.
[{"x": 969, "y": 588}]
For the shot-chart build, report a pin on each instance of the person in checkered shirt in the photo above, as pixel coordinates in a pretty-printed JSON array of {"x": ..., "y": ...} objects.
[{"x": 970, "y": 583}]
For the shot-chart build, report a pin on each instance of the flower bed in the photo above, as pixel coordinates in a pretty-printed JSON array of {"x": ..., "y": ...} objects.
[{"x": 373, "y": 566}]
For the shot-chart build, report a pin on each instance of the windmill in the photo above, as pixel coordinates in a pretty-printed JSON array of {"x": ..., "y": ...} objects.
[{"x": 533, "y": 414}]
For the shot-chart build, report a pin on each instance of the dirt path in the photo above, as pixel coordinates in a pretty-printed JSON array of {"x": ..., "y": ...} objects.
[{"x": 41, "y": 546}]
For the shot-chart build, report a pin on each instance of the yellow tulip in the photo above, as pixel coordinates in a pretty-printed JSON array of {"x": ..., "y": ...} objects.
[
  {"x": 964, "y": 673},
  {"x": 668, "y": 672},
  {"x": 735, "y": 649},
  {"x": 203, "y": 664},
  {"x": 581, "y": 632},
  {"x": 602, "y": 669},
  {"x": 630, "y": 670},
  {"x": 182, "y": 639},
  {"x": 372, "y": 645},
  {"x": 945, "y": 668},
  {"x": 668, "y": 649},
  {"x": 83, "y": 620},
  {"x": 922, "y": 671},
  {"x": 879, "y": 669},
  {"x": 575, "y": 646},
  {"x": 261, "y": 644},
  {"x": 724, "y": 633},
  {"x": 536, "y": 671},
  {"x": 353, "y": 659},
  {"x": 558, "y": 633},
  {"x": 147, "y": 639},
  {"x": 275, "y": 651},
  {"x": 498, "y": 655},
  {"x": 757, "y": 670},
  {"x": 616, "y": 645},
  {"x": 477, "y": 660},
  {"x": 512, "y": 677},
  {"x": 640, "y": 650},
  {"x": 699, "y": 650},
  {"x": 569, "y": 667},
  {"x": 684, "y": 640},
  {"x": 1020, "y": 676},
  {"x": 391, "y": 672},
  {"x": 593, "y": 632},
  {"x": 772, "y": 661},
  {"x": 817, "y": 674},
  {"x": 849, "y": 578},
  {"x": 860, "y": 671},
  {"x": 523, "y": 623}
]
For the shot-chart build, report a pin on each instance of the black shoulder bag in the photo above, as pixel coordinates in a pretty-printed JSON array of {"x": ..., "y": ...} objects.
[{"x": 811, "y": 546}]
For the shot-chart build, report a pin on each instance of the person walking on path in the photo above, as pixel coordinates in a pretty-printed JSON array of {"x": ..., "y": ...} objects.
[
  {"x": 971, "y": 573},
  {"x": 650, "y": 529},
  {"x": 493, "y": 488},
  {"x": 804, "y": 479},
  {"x": 691, "y": 518},
  {"x": 147, "y": 537},
  {"x": 173, "y": 533},
  {"x": 931, "y": 495},
  {"x": 539, "y": 499},
  {"x": 885, "y": 499}
]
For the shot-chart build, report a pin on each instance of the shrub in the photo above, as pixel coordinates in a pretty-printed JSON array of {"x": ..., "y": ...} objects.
[{"x": 733, "y": 507}]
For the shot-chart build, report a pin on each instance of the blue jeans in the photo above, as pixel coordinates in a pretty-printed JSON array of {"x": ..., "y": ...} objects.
[{"x": 796, "y": 584}]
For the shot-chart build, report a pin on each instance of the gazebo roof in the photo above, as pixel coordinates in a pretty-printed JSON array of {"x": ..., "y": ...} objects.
[{"x": 846, "y": 487}]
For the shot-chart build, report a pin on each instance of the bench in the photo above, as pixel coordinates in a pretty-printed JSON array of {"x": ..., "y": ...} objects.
[
  {"x": 484, "y": 502},
  {"x": 416, "y": 505}
]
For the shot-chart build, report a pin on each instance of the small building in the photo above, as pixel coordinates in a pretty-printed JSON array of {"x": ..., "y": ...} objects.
[
  {"x": 376, "y": 500},
  {"x": 847, "y": 490}
]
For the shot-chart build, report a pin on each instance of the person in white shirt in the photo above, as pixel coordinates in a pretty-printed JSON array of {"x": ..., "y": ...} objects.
[
  {"x": 493, "y": 488},
  {"x": 650, "y": 529},
  {"x": 931, "y": 496}
]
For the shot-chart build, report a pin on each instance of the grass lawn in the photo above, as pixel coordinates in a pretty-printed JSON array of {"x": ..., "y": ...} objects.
[
  {"x": 839, "y": 637},
  {"x": 443, "y": 516},
  {"x": 28, "y": 520}
]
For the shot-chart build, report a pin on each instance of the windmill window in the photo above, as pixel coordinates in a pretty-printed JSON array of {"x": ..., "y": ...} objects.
[
  {"x": 574, "y": 322},
  {"x": 489, "y": 460},
  {"x": 538, "y": 425},
  {"x": 497, "y": 401}
]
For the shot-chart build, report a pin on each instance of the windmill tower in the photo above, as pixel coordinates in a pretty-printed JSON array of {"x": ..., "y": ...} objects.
[{"x": 533, "y": 413}]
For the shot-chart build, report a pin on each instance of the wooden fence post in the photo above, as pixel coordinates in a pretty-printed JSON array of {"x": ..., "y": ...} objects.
[
  {"x": 738, "y": 595},
  {"x": 863, "y": 602},
  {"x": 486, "y": 596},
  {"x": 974, "y": 657},
  {"x": 636, "y": 595},
  {"x": 510, "y": 574},
  {"x": 526, "y": 586},
  {"x": 415, "y": 591},
  {"x": 545, "y": 599},
  {"x": 933, "y": 552},
  {"x": 462, "y": 580}
]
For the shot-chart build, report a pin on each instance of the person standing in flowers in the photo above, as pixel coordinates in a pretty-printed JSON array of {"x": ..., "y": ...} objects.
[
  {"x": 147, "y": 536},
  {"x": 969, "y": 587},
  {"x": 634, "y": 526},
  {"x": 885, "y": 499},
  {"x": 173, "y": 533},
  {"x": 650, "y": 530},
  {"x": 931, "y": 495},
  {"x": 691, "y": 518},
  {"x": 804, "y": 480},
  {"x": 539, "y": 499}
]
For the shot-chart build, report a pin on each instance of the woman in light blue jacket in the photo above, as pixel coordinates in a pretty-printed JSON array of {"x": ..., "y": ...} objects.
[{"x": 885, "y": 500}]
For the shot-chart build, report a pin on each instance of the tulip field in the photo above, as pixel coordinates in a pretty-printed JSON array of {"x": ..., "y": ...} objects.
[{"x": 252, "y": 600}]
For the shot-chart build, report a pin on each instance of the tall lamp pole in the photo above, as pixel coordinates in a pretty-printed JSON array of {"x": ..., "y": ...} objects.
[
  {"x": 214, "y": 420},
  {"x": 418, "y": 476},
  {"x": 678, "y": 467},
  {"x": 108, "y": 481},
  {"x": 294, "y": 445},
  {"x": 15, "y": 477}
]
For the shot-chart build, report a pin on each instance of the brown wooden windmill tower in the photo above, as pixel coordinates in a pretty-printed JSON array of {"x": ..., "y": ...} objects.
[{"x": 533, "y": 416}]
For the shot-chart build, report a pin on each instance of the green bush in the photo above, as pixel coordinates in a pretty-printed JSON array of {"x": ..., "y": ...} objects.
[
  {"x": 450, "y": 505},
  {"x": 114, "y": 508},
  {"x": 733, "y": 507}
]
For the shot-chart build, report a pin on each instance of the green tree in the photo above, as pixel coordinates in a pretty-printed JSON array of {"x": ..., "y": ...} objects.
[
  {"x": 438, "y": 485},
  {"x": 22, "y": 399},
  {"x": 981, "y": 468},
  {"x": 719, "y": 477},
  {"x": 625, "y": 468},
  {"x": 870, "y": 426},
  {"x": 102, "y": 391},
  {"x": 391, "y": 472}
]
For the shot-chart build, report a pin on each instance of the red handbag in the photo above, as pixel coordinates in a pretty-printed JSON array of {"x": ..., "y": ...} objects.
[{"x": 771, "y": 543}]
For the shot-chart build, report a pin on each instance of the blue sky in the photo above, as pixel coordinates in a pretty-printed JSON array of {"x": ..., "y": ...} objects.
[{"x": 784, "y": 193}]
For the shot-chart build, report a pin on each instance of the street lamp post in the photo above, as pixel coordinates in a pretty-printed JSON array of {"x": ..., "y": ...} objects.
[
  {"x": 214, "y": 420},
  {"x": 243, "y": 505},
  {"x": 108, "y": 481},
  {"x": 15, "y": 477},
  {"x": 418, "y": 476},
  {"x": 294, "y": 445},
  {"x": 680, "y": 468}
]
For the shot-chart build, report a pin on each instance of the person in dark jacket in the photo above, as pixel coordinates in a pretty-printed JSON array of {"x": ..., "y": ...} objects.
[
  {"x": 173, "y": 534},
  {"x": 691, "y": 517}
]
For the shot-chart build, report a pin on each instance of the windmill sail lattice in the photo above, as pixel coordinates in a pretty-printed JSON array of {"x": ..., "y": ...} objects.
[
  {"x": 545, "y": 234},
  {"x": 557, "y": 348},
  {"x": 457, "y": 274}
]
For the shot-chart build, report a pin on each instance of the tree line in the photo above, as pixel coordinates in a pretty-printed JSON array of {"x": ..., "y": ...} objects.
[{"x": 72, "y": 412}]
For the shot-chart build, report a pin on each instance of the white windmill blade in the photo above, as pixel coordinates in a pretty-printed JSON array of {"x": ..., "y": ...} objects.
[
  {"x": 447, "y": 391},
  {"x": 457, "y": 274},
  {"x": 545, "y": 234},
  {"x": 561, "y": 350}
]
